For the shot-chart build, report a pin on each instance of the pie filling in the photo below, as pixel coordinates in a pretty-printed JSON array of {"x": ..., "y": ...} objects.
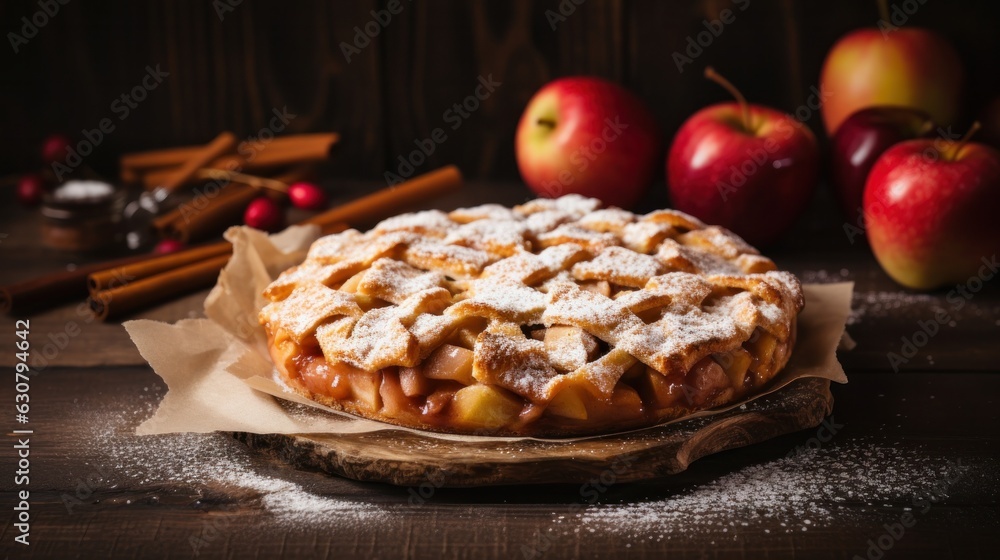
[
  {"x": 551, "y": 318},
  {"x": 441, "y": 393}
]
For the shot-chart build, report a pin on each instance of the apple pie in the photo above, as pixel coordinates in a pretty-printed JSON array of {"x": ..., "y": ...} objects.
[{"x": 552, "y": 318}]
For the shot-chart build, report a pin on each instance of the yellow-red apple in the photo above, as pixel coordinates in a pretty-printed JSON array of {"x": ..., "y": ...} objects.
[{"x": 906, "y": 67}]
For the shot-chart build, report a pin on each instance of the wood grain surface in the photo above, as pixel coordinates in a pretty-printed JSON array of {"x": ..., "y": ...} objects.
[{"x": 137, "y": 513}]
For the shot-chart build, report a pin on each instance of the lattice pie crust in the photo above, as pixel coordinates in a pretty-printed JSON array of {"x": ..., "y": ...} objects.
[{"x": 552, "y": 318}]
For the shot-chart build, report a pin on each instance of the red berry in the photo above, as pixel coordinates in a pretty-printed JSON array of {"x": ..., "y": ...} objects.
[
  {"x": 168, "y": 246},
  {"x": 264, "y": 214},
  {"x": 54, "y": 148},
  {"x": 307, "y": 196},
  {"x": 30, "y": 190}
]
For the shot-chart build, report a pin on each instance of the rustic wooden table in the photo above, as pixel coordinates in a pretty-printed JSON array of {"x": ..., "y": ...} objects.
[{"x": 907, "y": 466}]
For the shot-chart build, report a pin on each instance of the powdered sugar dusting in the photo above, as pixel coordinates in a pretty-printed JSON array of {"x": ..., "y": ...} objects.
[
  {"x": 620, "y": 266},
  {"x": 525, "y": 267},
  {"x": 953, "y": 305},
  {"x": 885, "y": 304},
  {"x": 824, "y": 276},
  {"x": 609, "y": 219},
  {"x": 209, "y": 463},
  {"x": 810, "y": 489},
  {"x": 428, "y": 222}
]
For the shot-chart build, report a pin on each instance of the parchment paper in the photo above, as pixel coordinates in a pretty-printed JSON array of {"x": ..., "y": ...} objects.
[{"x": 220, "y": 378}]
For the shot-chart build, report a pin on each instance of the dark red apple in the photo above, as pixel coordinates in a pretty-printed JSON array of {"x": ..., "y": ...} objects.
[
  {"x": 931, "y": 213},
  {"x": 588, "y": 136},
  {"x": 749, "y": 168},
  {"x": 861, "y": 139}
]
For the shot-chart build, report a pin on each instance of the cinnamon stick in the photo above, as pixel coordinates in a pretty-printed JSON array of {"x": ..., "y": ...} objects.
[
  {"x": 153, "y": 289},
  {"x": 386, "y": 202},
  {"x": 170, "y": 157},
  {"x": 296, "y": 174},
  {"x": 153, "y": 166},
  {"x": 60, "y": 287},
  {"x": 52, "y": 289},
  {"x": 155, "y": 283},
  {"x": 276, "y": 162},
  {"x": 206, "y": 216},
  {"x": 223, "y": 143},
  {"x": 122, "y": 275}
]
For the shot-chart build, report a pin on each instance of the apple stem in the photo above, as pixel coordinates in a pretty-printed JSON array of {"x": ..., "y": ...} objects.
[
  {"x": 957, "y": 146},
  {"x": 547, "y": 122},
  {"x": 711, "y": 74},
  {"x": 883, "y": 11}
]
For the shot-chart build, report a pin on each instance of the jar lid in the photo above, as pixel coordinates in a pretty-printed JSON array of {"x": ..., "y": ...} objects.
[
  {"x": 83, "y": 199},
  {"x": 82, "y": 192}
]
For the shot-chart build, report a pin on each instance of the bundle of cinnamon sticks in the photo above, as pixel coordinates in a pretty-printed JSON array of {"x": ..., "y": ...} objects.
[
  {"x": 154, "y": 168},
  {"x": 127, "y": 285},
  {"x": 217, "y": 205}
]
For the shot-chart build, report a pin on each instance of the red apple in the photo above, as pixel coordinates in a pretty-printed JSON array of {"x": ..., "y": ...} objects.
[
  {"x": 906, "y": 67},
  {"x": 931, "y": 213},
  {"x": 587, "y": 136},
  {"x": 749, "y": 168},
  {"x": 861, "y": 139}
]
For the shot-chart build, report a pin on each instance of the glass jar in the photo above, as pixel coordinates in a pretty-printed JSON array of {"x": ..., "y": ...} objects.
[{"x": 82, "y": 216}]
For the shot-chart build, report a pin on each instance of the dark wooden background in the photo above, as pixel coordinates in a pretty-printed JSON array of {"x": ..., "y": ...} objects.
[{"x": 229, "y": 72}]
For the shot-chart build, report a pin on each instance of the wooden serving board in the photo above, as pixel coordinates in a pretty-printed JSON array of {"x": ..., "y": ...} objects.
[{"x": 410, "y": 459}]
